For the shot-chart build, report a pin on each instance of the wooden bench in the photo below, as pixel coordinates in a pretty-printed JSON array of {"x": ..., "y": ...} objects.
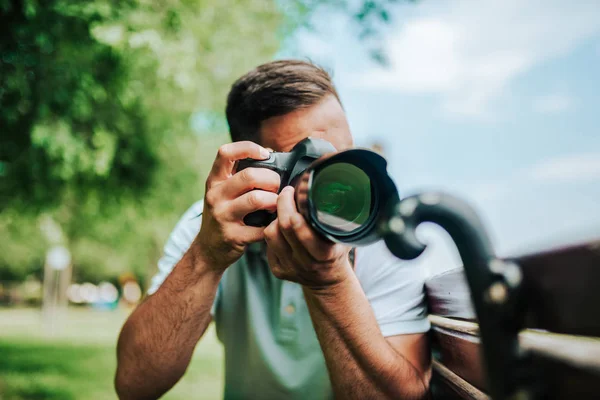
[
  {"x": 561, "y": 300},
  {"x": 524, "y": 328}
]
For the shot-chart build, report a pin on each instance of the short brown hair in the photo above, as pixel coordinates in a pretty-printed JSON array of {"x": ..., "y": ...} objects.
[{"x": 273, "y": 89}]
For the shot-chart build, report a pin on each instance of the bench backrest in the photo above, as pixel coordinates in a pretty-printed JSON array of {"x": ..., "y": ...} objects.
[{"x": 561, "y": 293}]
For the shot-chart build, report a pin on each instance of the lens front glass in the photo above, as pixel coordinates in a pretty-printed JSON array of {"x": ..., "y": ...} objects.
[{"x": 341, "y": 196}]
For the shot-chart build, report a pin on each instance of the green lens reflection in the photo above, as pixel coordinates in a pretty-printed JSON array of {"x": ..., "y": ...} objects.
[{"x": 341, "y": 195}]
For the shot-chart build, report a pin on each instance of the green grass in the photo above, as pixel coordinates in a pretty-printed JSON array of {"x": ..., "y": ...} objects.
[{"x": 77, "y": 361}]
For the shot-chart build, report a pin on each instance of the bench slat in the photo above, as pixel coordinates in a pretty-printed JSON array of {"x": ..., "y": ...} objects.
[
  {"x": 569, "y": 364},
  {"x": 457, "y": 386},
  {"x": 578, "y": 351},
  {"x": 461, "y": 353}
]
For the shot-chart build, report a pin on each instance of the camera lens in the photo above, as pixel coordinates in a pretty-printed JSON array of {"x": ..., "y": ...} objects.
[
  {"x": 345, "y": 196},
  {"x": 342, "y": 197}
]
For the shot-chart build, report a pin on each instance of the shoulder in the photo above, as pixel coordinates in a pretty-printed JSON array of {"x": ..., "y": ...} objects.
[
  {"x": 394, "y": 289},
  {"x": 376, "y": 265},
  {"x": 187, "y": 227},
  {"x": 178, "y": 242}
]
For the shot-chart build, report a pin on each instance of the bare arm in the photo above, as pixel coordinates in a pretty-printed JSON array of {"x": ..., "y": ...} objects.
[
  {"x": 158, "y": 340},
  {"x": 362, "y": 364}
]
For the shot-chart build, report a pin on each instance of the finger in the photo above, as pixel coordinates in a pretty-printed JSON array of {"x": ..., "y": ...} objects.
[
  {"x": 275, "y": 265},
  {"x": 318, "y": 247},
  {"x": 286, "y": 207},
  {"x": 249, "y": 202},
  {"x": 229, "y": 153},
  {"x": 276, "y": 242},
  {"x": 297, "y": 231},
  {"x": 250, "y": 234},
  {"x": 249, "y": 179},
  {"x": 286, "y": 214}
]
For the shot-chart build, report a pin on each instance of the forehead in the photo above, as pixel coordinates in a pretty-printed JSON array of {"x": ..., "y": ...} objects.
[{"x": 325, "y": 120}]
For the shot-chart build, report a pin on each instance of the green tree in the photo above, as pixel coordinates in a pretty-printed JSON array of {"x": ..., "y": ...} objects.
[{"x": 96, "y": 98}]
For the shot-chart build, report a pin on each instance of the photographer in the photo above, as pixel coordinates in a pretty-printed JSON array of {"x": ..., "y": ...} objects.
[{"x": 299, "y": 316}]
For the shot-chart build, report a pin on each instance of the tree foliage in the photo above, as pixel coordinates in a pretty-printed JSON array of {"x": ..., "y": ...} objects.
[
  {"x": 96, "y": 99},
  {"x": 96, "y": 103}
]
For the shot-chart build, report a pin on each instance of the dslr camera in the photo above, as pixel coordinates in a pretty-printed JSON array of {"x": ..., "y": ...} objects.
[{"x": 345, "y": 196}]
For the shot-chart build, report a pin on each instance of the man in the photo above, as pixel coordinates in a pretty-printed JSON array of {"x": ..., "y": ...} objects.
[{"x": 297, "y": 316}]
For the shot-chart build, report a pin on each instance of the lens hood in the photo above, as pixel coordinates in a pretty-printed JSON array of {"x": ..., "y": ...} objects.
[{"x": 383, "y": 194}]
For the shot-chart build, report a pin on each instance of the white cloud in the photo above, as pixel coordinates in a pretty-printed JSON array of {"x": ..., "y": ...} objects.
[
  {"x": 489, "y": 190},
  {"x": 577, "y": 168},
  {"x": 571, "y": 168},
  {"x": 549, "y": 204},
  {"x": 469, "y": 52},
  {"x": 552, "y": 103},
  {"x": 553, "y": 202},
  {"x": 430, "y": 63}
]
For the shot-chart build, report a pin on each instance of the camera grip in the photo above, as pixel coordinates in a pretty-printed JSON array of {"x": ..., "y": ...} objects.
[
  {"x": 259, "y": 218},
  {"x": 269, "y": 163}
]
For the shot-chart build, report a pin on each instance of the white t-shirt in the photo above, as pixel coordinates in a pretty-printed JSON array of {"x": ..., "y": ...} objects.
[{"x": 271, "y": 348}]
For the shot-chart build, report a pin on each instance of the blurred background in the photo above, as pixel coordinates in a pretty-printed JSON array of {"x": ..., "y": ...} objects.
[{"x": 111, "y": 113}]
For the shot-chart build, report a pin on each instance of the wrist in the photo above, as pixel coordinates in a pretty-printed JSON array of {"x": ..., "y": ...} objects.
[
  {"x": 204, "y": 262},
  {"x": 192, "y": 273},
  {"x": 205, "y": 254},
  {"x": 341, "y": 279}
]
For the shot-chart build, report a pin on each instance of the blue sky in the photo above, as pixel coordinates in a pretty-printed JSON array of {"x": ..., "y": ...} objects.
[{"x": 495, "y": 101}]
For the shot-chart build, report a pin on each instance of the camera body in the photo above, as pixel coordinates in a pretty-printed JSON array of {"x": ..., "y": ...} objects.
[{"x": 289, "y": 166}]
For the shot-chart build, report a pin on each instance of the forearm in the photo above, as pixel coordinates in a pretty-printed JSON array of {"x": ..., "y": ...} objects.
[
  {"x": 157, "y": 341},
  {"x": 361, "y": 363}
]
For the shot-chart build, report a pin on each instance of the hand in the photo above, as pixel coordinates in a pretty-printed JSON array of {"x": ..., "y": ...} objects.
[
  {"x": 229, "y": 197},
  {"x": 298, "y": 254}
]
